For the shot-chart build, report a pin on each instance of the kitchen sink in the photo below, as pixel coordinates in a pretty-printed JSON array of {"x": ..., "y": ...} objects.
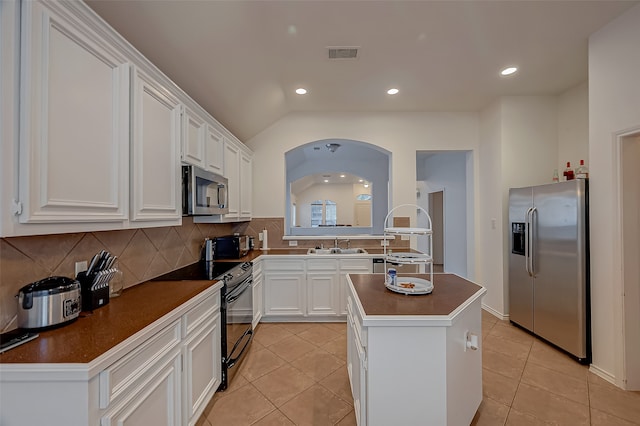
[{"x": 336, "y": 251}]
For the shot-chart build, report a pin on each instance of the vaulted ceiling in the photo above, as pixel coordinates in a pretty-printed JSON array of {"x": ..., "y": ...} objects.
[{"x": 243, "y": 60}]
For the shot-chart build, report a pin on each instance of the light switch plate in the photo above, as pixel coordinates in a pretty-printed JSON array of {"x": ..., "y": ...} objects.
[{"x": 293, "y": 243}]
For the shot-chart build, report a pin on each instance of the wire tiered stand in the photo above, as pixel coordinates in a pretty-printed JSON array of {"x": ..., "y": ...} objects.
[{"x": 410, "y": 285}]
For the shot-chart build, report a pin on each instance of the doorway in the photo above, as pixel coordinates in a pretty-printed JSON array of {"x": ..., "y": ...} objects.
[{"x": 436, "y": 212}]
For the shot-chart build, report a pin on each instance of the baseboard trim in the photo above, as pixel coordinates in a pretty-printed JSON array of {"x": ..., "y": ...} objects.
[
  {"x": 495, "y": 313},
  {"x": 603, "y": 374}
]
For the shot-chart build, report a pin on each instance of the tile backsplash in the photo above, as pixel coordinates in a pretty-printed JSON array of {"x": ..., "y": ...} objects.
[{"x": 142, "y": 253}]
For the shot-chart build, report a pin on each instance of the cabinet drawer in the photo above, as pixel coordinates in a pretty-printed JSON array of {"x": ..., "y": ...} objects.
[
  {"x": 284, "y": 265},
  {"x": 356, "y": 265},
  {"x": 204, "y": 311},
  {"x": 121, "y": 376},
  {"x": 322, "y": 265},
  {"x": 353, "y": 314}
]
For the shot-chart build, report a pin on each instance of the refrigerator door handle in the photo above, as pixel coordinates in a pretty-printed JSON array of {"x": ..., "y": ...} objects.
[
  {"x": 532, "y": 241},
  {"x": 527, "y": 225}
]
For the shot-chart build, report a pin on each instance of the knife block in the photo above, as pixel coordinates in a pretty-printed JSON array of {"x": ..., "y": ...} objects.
[{"x": 92, "y": 299}]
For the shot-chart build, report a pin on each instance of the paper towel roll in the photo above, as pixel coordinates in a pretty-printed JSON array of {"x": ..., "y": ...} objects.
[{"x": 265, "y": 243}]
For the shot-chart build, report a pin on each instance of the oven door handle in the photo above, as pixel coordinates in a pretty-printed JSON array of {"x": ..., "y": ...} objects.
[
  {"x": 231, "y": 361},
  {"x": 237, "y": 292}
]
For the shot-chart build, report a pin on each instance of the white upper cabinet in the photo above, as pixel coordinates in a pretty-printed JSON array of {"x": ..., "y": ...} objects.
[
  {"x": 193, "y": 139},
  {"x": 232, "y": 173},
  {"x": 246, "y": 193},
  {"x": 155, "y": 163},
  {"x": 74, "y": 120},
  {"x": 214, "y": 151},
  {"x": 100, "y": 132}
]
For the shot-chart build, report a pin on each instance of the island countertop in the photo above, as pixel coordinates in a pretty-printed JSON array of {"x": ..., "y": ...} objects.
[{"x": 376, "y": 303}]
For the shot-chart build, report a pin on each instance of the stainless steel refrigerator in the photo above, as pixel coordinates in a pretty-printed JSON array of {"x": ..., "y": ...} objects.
[{"x": 549, "y": 264}]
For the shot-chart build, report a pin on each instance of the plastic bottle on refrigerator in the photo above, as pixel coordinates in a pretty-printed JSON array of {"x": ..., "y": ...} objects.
[
  {"x": 582, "y": 172},
  {"x": 568, "y": 172}
]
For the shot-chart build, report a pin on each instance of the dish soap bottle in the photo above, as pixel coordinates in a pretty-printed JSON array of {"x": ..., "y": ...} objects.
[
  {"x": 568, "y": 172},
  {"x": 582, "y": 172},
  {"x": 555, "y": 179}
]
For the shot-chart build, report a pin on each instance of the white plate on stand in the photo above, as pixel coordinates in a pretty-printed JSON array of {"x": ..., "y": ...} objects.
[{"x": 410, "y": 285}]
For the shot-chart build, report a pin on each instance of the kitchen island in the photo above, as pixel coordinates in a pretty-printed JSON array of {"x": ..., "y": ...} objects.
[{"x": 414, "y": 360}]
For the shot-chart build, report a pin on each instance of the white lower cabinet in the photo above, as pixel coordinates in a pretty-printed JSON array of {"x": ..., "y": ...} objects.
[
  {"x": 202, "y": 368},
  {"x": 284, "y": 294},
  {"x": 357, "y": 371},
  {"x": 258, "y": 292},
  {"x": 155, "y": 401},
  {"x": 164, "y": 375},
  {"x": 308, "y": 288},
  {"x": 322, "y": 287}
]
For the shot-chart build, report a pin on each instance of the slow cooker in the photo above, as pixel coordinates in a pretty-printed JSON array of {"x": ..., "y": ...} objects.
[{"x": 49, "y": 302}]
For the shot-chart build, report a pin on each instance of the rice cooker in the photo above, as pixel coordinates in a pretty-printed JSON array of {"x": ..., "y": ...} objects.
[{"x": 49, "y": 302}]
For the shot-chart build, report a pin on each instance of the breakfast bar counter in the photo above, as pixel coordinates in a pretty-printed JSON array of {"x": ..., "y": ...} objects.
[{"x": 414, "y": 360}]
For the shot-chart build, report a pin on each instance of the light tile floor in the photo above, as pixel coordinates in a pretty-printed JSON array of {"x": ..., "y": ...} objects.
[{"x": 295, "y": 374}]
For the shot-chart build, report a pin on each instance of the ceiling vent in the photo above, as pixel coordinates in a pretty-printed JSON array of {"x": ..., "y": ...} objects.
[{"x": 343, "y": 52}]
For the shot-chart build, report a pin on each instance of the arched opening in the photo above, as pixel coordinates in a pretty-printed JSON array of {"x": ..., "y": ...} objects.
[{"x": 351, "y": 174}]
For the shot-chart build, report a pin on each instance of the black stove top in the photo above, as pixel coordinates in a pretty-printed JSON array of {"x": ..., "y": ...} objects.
[{"x": 198, "y": 271}]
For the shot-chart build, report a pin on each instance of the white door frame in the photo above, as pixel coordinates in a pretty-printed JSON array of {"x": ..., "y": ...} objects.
[{"x": 627, "y": 247}]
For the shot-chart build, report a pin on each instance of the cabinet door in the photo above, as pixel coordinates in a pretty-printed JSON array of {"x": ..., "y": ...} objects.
[
  {"x": 214, "y": 151},
  {"x": 155, "y": 163},
  {"x": 246, "y": 163},
  {"x": 284, "y": 294},
  {"x": 357, "y": 371},
  {"x": 202, "y": 368},
  {"x": 193, "y": 139},
  {"x": 232, "y": 173},
  {"x": 155, "y": 402},
  {"x": 74, "y": 120},
  {"x": 258, "y": 302},
  {"x": 322, "y": 297}
]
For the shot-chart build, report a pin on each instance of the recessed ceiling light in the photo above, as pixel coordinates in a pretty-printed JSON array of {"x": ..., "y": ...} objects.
[
  {"x": 508, "y": 71},
  {"x": 361, "y": 180},
  {"x": 366, "y": 185},
  {"x": 341, "y": 176},
  {"x": 326, "y": 181},
  {"x": 301, "y": 91},
  {"x": 392, "y": 91}
]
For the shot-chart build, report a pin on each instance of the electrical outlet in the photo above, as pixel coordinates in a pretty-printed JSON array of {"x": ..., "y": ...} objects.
[
  {"x": 384, "y": 243},
  {"x": 293, "y": 243},
  {"x": 81, "y": 267},
  {"x": 260, "y": 236}
]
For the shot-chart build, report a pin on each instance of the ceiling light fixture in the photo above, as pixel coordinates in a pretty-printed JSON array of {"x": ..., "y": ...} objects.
[
  {"x": 341, "y": 176},
  {"x": 332, "y": 147},
  {"x": 301, "y": 91},
  {"x": 392, "y": 91},
  {"x": 326, "y": 181},
  {"x": 366, "y": 185},
  {"x": 508, "y": 71}
]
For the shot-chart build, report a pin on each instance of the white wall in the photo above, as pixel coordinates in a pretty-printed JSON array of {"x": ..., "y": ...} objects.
[
  {"x": 519, "y": 147},
  {"x": 400, "y": 133},
  {"x": 573, "y": 127},
  {"x": 614, "y": 107},
  {"x": 490, "y": 266}
]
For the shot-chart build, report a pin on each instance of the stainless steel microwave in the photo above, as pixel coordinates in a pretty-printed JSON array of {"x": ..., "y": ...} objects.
[{"x": 203, "y": 193}]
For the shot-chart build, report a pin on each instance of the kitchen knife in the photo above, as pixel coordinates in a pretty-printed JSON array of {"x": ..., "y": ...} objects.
[{"x": 92, "y": 264}]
